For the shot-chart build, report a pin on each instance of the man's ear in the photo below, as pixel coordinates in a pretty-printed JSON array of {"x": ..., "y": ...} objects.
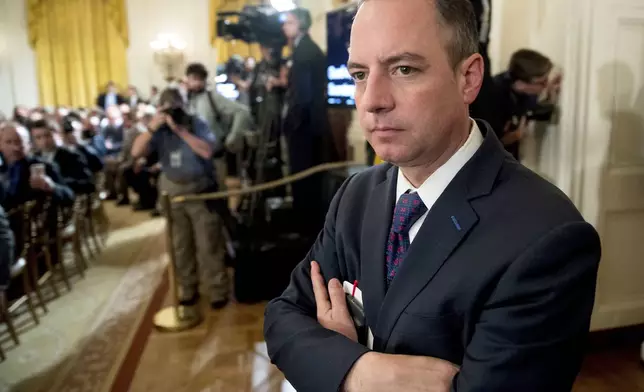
[{"x": 470, "y": 74}]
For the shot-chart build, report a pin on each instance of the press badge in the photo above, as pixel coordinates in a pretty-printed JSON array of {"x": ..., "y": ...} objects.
[{"x": 175, "y": 159}]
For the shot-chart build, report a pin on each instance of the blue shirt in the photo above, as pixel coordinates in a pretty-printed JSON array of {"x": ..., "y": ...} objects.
[
  {"x": 110, "y": 100},
  {"x": 178, "y": 161}
]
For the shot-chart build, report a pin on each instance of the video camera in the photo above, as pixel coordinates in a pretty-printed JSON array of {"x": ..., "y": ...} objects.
[{"x": 255, "y": 24}]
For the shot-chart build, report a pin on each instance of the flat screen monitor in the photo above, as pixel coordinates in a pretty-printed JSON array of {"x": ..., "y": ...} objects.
[{"x": 340, "y": 86}]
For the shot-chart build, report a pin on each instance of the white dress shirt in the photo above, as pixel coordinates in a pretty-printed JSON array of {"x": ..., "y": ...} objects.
[{"x": 436, "y": 184}]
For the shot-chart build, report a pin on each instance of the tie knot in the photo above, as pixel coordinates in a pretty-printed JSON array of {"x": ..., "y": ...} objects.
[{"x": 408, "y": 209}]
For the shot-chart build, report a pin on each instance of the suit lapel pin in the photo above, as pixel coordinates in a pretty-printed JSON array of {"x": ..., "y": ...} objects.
[{"x": 456, "y": 224}]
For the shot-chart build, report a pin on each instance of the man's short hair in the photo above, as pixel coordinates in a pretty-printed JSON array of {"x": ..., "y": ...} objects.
[
  {"x": 171, "y": 96},
  {"x": 41, "y": 123},
  {"x": 19, "y": 128},
  {"x": 458, "y": 17},
  {"x": 526, "y": 65},
  {"x": 198, "y": 70},
  {"x": 304, "y": 17}
]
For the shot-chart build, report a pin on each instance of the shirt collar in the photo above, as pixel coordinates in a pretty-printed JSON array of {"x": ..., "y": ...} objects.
[
  {"x": 297, "y": 40},
  {"x": 434, "y": 186}
]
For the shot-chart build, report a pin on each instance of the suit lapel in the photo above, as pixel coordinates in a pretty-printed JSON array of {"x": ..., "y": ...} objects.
[
  {"x": 447, "y": 224},
  {"x": 372, "y": 251}
]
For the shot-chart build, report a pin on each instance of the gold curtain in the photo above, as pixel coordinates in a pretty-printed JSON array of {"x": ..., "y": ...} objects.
[
  {"x": 80, "y": 45},
  {"x": 227, "y": 49}
]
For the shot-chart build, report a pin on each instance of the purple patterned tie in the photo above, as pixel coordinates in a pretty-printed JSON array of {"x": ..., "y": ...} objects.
[{"x": 408, "y": 209}]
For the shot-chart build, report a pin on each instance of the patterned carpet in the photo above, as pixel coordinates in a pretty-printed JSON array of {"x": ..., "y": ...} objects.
[{"x": 81, "y": 342}]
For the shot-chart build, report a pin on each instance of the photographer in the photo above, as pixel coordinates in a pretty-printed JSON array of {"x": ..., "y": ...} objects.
[
  {"x": 185, "y": 147},
  {"x": 518, "y": 92},
  {"x": 226, "y": 119}
]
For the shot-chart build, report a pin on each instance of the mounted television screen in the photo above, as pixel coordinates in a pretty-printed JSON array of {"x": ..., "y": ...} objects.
[{"x": 340, "y": 86}]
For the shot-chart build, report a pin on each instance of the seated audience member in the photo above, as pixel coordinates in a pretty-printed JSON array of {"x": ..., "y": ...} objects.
[
  {"x": 154, "y": 96},
  {"x": 21, "y": 115},
  {"x": 113, "y": 133},
  {"x": 518, "y": 92},
  {"x": 139, "y": 173},
  {"x": 110, "y": 97},
  {"x": 73, "y": 167},
  {"x": 71, "y": 133},
  {"x": 133, "y": 99},
  {"x": 26, "y": 178},
  {"x": 91, "y": 135},
  {"x": 7, "y": 247},
  {"x": 185, "y": 147},
  {"x": 22, "y": 176}
]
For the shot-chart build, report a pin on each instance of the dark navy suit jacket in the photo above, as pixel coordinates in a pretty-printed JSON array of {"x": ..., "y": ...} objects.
[{"x": 500, "y": 280}]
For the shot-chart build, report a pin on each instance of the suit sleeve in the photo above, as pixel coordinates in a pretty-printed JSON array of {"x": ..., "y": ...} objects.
[
  {"x": 94, "y": 161},
  {"x": 7, "y": 245},
  {"x": 77, "y": 175},
  {"x": 532, "y": 330},
  {"x": 312, "y": 357},
  {"x": 63, "y": 194}
]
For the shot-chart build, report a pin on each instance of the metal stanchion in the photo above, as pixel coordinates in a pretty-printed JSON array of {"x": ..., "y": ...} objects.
[
  {"x": 174, "y": 318},
  {"x": 178, "y": 318}
]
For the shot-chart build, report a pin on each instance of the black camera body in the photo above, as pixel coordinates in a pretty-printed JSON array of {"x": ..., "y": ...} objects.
[
  {"x": 255, "y": 24},
  {"x": 235, "y": 66}
]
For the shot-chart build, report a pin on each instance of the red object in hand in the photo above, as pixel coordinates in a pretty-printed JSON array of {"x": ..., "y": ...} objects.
[{"x": 355, "y": 285}]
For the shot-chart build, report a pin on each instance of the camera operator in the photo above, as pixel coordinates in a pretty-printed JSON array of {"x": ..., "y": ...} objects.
[
  {"x": 306, "y": 126},
  {"x": 226, "y": 119},
  {"x": 518, "y": 92},
  {"x": 185, "y": 147},
  {"x": 243, "y": 80}
]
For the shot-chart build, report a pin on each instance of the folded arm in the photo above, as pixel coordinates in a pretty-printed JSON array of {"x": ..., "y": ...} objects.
[{"x": 312, "y": 357}]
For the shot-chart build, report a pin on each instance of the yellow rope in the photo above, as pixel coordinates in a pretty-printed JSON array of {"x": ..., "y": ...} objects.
[{"x": 266, "y": 186}]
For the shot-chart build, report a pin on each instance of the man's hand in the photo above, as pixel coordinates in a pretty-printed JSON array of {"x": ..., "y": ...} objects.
[
  {"x": 156, "y": 168},
  {"x": 42, "y": 183},
  {"x": 332, "y": 310},
  {"x": 139, "y": 164},
  {"x": 375, "y": 372},
  {"x": 511, "y": 137},
  {"x": 157, "y": 121}
]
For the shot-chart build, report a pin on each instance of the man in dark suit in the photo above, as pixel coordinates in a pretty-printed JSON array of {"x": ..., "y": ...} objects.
[
  {"x": 475, "y": 273},
  {"x": 73, "y": 167},
  {"x": 110, "y": 97},
  {"x": 306, "y": 125},
  {"x": 27, "y": 178},
  {"x": 70, "y": 134}
]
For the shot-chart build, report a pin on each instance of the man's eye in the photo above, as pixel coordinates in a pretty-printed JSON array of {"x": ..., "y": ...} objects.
[
  {"x": 405, "y": 70},
  {"x": 358, "y": 76}
]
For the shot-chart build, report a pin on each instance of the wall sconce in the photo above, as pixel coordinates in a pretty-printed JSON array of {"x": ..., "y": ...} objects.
[{"x": 169, "y": 55}]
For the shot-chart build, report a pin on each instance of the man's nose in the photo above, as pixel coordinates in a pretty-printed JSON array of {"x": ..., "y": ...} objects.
[{"x": 377, "y": 95}]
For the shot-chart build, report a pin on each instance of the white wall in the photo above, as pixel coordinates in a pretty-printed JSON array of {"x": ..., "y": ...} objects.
[
  {"x": 188, "y": 20},
  {"x": 18, "y": 83},
  {"x": 534, "y": 24}
]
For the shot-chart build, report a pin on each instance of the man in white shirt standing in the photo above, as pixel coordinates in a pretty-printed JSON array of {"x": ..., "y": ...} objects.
[{"x": 469, "y": 272}]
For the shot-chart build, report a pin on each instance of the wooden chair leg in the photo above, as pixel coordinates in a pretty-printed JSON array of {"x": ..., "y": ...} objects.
[
  {"x": 79, "y": 258},
  {"x": 28, "y": 294},
  {"x": 2, "y": 356},
  {"x": 33, "y": 276},
  {"x": 90, "y": 251},
  {"x": 61, "y": 264},
  {"x": 52, "y": 271},
  {"x": 12, "y": 330},
  {"x": 93, "y": 234}
]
